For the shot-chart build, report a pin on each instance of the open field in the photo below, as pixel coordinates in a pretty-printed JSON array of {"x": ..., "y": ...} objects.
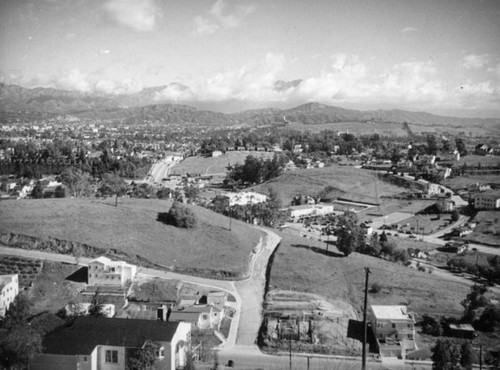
[
  {"x": 365, "y": 128},
  {"x": 347, "y": 182},
  {"x": 484, "y": 160},
  {"x": 132, "y": 227},
  {"x": 303, "y": 265},
  {"x": 488, "y": 228},
  {"x": 215, "y": 165},
  {"x": 462, "y": 182}
]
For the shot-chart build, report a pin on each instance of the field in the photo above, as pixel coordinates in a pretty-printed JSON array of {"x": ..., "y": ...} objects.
[
  {"x": 381, "y": 128},
  {"x": 488, "y": 228},
  {"x": 303, "y": 265},
  {"x": 215, "y": 165},
  {"x": 132, "y": 228},
  {"x": 347, "y": 182},
  {"x": 484, "y": 160},
  {"x": 462, "y": 182}
]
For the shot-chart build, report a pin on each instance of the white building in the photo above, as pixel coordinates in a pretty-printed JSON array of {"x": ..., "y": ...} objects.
[
  {"x": 487, "y": 200},
  {"x": 243, "y": 198},
  {"x": 319, "y": 209},
  {"x": 103, "y": 271},
  {"x": 9, "y": 289},
  {"x": 394, "y": 330}
]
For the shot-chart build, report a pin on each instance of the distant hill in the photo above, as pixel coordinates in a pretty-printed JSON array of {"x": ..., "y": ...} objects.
[{"x": 150, "y": 104}]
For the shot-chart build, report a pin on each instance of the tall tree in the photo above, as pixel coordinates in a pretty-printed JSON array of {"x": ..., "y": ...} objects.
[
  {"x": 445, "y": 355},
  {"x": 143, "y": 358}
]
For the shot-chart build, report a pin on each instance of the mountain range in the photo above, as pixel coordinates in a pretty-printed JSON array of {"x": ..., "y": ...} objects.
[{"x": 147, "y": 104}]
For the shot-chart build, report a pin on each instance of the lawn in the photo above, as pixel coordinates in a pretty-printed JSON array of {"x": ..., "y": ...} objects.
[
  {"x": 487, "y": 230},
  {"x": 215, "y": 165},
  {"x": 132, "y": 228},
  {"x": 347, "y": 182},
  {"x": 302, "y": 265}
]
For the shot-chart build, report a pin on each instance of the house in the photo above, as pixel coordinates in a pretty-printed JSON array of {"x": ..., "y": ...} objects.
[
  {"x": 479, "y": 187},
  {"x": 394, "y": 330},
  {"x": 216, "y": 153},
  {"x": 217, "y": 299},
  {"x": 103, "y": 271},
  {"x": 487, "y": 200},
  {"x": 9, "y": 289},
  {"x": 203, "y": 316},
  {"x": 465, "y": 331},
  {"x": 101, "y": 343},
  {"x": 446, "y": 205}
]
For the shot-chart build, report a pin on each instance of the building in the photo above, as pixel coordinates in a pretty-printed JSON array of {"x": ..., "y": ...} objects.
[
  {"x": 394, "y": 330},
  {"x": 103, "y": 271},
  {"x": 244, "y": 198},
  {"x": 319, "y": 209},
  {"x": 217, "y": 299},
  {"x": 202, "y": 316},
  {"x": 102, "y": 344},
  {"x": 487, "y": 200},
  {"x": 9, "y": 289}
]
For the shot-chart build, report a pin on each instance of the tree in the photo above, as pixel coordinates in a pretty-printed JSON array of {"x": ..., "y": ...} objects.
[
  {"x": 350, "y": 236},
  {"x": 19, "y": 346},
  {"x": 60, "y": 192},
  {"x": 467, "y": 355},
  {"x": 179, "y": 216},
  {"x": 143, "y": 358},
  {"x": 460, "y": 145},
  {"x": 18, "y": 312},
  {"x": 37, "y": 192},
  {"x": 455, "y": 216},
  {"x": 96, "y": 308},
  {"x": 445, "y": 355}
]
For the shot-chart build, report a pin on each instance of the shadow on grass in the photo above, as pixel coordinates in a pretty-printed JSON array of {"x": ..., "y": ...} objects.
[
  {"x": 319, "y": 250},
  {"x": 79, "y": 276},
  {"x": 355, "y": 331}
]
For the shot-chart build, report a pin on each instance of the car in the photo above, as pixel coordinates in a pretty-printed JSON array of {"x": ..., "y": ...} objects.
[{"x": 412, "y": 236}]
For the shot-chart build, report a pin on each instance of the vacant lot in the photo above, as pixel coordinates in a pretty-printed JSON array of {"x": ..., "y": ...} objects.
[
  {"x": 215, "y": 165},
  {"x": 344, "y": 182},
  {"x": 132, "y": 228},
  {"x": 488, "y": 228},
  {"x": 302, "y": 265}
]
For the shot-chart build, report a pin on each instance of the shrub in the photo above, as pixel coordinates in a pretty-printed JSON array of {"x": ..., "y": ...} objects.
[
  {"x": 376, "y": 287},
  {"x": 179, "y": 216}
]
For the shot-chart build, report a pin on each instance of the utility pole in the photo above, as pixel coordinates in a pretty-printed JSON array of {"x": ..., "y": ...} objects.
[
  {"x": 363, "y": 358},
  {"x": 290, "y": 350}
]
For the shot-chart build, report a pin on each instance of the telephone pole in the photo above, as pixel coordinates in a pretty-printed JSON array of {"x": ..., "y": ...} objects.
[{"x": 363, "y": 358}]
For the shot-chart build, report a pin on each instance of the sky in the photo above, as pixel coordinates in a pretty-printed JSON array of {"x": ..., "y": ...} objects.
[{"x": 440, "y": 56}]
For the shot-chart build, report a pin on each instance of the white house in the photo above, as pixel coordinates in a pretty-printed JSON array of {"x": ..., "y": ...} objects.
[
  {"x": 103, "y": 271},
  {"x": 103, "y": 344},
  {"x": 9, "y": 289},
  {"x": 394, "y": 330},
  {"x": 203, "y": 316},
  {"x": 487, "y": 200}
]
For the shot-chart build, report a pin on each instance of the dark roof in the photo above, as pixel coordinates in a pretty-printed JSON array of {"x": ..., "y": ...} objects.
[{"x": 86, "y": 333}]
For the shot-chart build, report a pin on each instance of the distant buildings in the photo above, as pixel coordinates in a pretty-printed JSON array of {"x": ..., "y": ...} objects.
[
  {"x": 241, "y": 198},
  {"x": 487, "y": 200},
  {"x": 319, "y": 209},
  {"x": 9, "y": 289}
]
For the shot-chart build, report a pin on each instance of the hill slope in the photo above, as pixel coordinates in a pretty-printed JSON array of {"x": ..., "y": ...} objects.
[{"x": 132, "y": 227}]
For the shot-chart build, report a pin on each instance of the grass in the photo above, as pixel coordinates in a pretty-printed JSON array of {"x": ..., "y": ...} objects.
[
  {"x": 303, "y": 265},
  {"x": 132, "y": 228},
  {"x": 347, "y": 182},
  {"x": 215, "y": 165},
  {"x": 462, "y": 182},
  {"x": 488, "y": 228}
]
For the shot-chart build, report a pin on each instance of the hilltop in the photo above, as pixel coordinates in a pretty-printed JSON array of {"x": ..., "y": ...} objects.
[
  {"x": 132, "y": 228},
  {"x": 149, "y": 104}
]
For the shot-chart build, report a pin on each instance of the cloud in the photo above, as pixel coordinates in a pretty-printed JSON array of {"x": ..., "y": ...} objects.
[
  {"x": 222, "y": 16},
  {"x": 473, "y": 61},
  {"x": 140, "y": 15},
  {"x": 409, "y": 29}
]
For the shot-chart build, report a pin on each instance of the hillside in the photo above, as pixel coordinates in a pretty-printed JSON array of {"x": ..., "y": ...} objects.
[
  {"x": 148, "y": 104},
  {"x": 132, "y": 227},
  {"x": 345, "y": 182}
]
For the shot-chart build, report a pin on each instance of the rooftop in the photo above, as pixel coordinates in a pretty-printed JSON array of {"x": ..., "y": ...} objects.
[{"x": 391, "y": 313}]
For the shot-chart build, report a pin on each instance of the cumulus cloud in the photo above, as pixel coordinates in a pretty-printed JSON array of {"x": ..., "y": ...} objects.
[
  {"x": 140, "y": 15},
  {"x": 474, "y": 61},
  {"x": 409, "y": 29},
  {"x": 222, "y": 16}
]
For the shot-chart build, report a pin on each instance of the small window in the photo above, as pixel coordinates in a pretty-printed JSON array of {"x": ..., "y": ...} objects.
[
  {"x": 410, "y": 336},
  {"x": 205, "y": 317},
  {"x": 112, "y": 357},
  {"x": 84, "y": 358},
  {"x": 160, "y": 352}
]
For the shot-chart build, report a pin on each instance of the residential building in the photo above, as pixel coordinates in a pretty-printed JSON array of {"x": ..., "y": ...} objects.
[
  {"x": 487, "y": 200},
  {"x": 103, "y": 344},
  {"x": 394, "y": 330},
  {"x": 103, "y": 271},
  {"x": 9, "y": 289},
  {"x": 203, "y": 316},
  {"x": 217, "y": 299}
]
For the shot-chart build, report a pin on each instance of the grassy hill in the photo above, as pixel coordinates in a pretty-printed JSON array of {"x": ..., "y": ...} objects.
[
  {"x": 347, "y": 182},
  {"x": 335, "y": 277},
  {"x": 132, "y": 228}
]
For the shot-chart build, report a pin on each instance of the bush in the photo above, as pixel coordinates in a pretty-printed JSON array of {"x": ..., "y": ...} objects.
[
  {"x": 179, "y": 216},
  {"x": 376, "y": 287}
]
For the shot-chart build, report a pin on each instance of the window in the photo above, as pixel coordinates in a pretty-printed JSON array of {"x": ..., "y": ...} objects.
[
  {"x": 160, "y": 352},
  {"x": 205, "y": 317},
  {"x": 84, "y": 358},
  {"x": 112, "y": 356},
  {"x": 393, "y": 325}
]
